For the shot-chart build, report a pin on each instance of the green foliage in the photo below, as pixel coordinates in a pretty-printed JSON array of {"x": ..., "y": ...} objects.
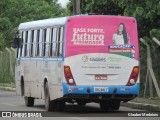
[
  {"x": 14, "y": 12},
  {"x": 1, "y": 40},
  {"x": 145, "y": 11},
  {"x": 97, "y": 7},
  {"x": 155, "y": 33},
  {"x": 5, "y": 23},
  {"x": 7, "y": 66}
]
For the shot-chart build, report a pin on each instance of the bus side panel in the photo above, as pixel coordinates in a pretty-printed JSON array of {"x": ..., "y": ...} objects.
[
  {"x": 34, "y": 75},
  {"x": 18, "y": 78},
  {"x": 29, "y": 73},
  {"x": 53, "y": 72},
  {"x": 36, "y": 72}
]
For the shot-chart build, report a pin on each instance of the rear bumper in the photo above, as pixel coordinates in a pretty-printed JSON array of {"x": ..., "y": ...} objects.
[{"x": 112, "y": 92}]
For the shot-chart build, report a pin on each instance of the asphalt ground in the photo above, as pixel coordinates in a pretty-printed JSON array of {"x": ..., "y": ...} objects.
[
  {"x": 137, "y": 103},
  {"x": 11, "y": 102}
]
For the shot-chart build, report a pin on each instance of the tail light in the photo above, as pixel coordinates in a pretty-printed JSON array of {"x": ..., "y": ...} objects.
[
  {"x": 69, "y": 76},
  {"x": 134, "y": 76}
]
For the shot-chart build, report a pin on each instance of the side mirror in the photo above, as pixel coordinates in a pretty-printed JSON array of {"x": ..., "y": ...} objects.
[{"x": 16, "y": 41}]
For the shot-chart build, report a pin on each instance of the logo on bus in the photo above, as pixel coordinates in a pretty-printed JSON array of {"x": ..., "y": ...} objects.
[
  {"x": 93, "y": 59},
  {"x": 85, "y": 58}
]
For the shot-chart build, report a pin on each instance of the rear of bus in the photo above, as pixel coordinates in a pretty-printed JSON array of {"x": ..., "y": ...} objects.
[{"x": 95, "y": 67}]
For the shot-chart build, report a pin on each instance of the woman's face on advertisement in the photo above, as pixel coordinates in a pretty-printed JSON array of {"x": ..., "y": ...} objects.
[{"x": 120, "y": 28}]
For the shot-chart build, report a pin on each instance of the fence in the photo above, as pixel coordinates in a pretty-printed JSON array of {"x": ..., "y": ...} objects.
[
  {"x": 150, "y": 69},
  {"x": 7, "y": 65}
]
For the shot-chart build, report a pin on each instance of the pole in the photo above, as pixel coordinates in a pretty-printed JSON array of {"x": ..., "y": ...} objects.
[
  {"x": 76, "y": 7},
  {"x": 151, "y": 73}
]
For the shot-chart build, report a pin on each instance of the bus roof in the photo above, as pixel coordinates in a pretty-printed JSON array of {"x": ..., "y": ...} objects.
[
  {"x": 55, "y": 22},
  {"x": 43, "y": 23}
]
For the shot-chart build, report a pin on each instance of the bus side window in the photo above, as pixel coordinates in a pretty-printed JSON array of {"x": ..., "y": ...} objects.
[
  {"x": 44, "y": 42},
  {"x": 37, "y": 43},
  {"x": 54, "y": 36},
  {"x": 61, "y": 42},
  {"x": 24, "y": 39},
  {"x": 31, "y": 43},
  {"x": 51, "y": 43},
  {"x": 34, "y": 43},
  {"x": 26, "y": 42},
  {"x": 21, "y": 43},
  {"x": 57, "y": 42},
  {"x": 48, "y": 32},
  {"x": 40, "y": 42},
  {"x": 19, "y": 36}
]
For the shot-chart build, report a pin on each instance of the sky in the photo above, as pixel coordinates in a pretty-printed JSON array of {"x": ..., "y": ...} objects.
[{"x": 63, "y": 2}]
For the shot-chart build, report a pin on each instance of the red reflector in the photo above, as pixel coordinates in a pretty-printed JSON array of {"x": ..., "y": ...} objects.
[
  {"x": 133, "y": 77},
  {"x": 69, "y": 76}
]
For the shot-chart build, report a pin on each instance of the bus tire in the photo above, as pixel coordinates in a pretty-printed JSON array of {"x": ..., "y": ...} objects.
[
  {"x": 29, "y": 101},
  {"x": 60, "y": 105},
  {"x": 104, "y": 106},
  {"x": 22, "y": 86},
  {"x": 115, "y": 105},
  {"x": 49, "y": 105}
]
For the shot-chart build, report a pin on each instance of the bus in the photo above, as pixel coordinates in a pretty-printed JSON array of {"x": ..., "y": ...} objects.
[{"x": 78, "y": 59}]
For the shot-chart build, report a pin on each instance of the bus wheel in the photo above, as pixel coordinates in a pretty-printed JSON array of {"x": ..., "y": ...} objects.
[
  {"x": 104, "y": 106},
  {"x": 60, "y": 105},
  {"x": 29, "y": 101},
  {"x": 49, "y": 105},
  {"x": 115, "y": 105}
]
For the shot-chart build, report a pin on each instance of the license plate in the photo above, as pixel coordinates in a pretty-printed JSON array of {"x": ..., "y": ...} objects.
[
  {"x": 100, "y": 89},
  {"x": 100, "y": 77}
]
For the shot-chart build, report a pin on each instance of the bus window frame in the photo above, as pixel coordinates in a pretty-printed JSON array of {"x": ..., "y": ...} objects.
[
  {"x": 61, "y": 46},
  {"x": 54, "y": 38},
  {"x": 31, "y": 43},
  {"x": 45, "y": 42},
  {"x": 34, "y": 43},
  {"x": 26, "y": 44},
  {"x": 48, "y": 39},
  {"x": 38, "y": 44},
  {"x": 21, "y": 43}
]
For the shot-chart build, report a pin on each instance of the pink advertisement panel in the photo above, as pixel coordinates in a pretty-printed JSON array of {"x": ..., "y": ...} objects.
[{"x": 102, "y": 34}]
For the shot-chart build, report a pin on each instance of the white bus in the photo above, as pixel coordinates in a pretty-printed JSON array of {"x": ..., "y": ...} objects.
[{"x": 82, "y": 59}]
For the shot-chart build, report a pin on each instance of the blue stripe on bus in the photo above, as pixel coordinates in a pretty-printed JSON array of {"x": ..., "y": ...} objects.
[
  {"x": 41, "y": 59},
  {"x": 83, "y": 89}
]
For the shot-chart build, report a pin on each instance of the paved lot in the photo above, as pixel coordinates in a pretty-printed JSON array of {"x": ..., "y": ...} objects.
[{"x": 9, "y": 101}]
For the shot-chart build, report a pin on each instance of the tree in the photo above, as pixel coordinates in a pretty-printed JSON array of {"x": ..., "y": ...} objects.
[
  {"x": 147, "y": 14},
  {"x": 14, "y": 12},
  {"x": 106, "y": 7},
  {"x": 1, "y": 41}
]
